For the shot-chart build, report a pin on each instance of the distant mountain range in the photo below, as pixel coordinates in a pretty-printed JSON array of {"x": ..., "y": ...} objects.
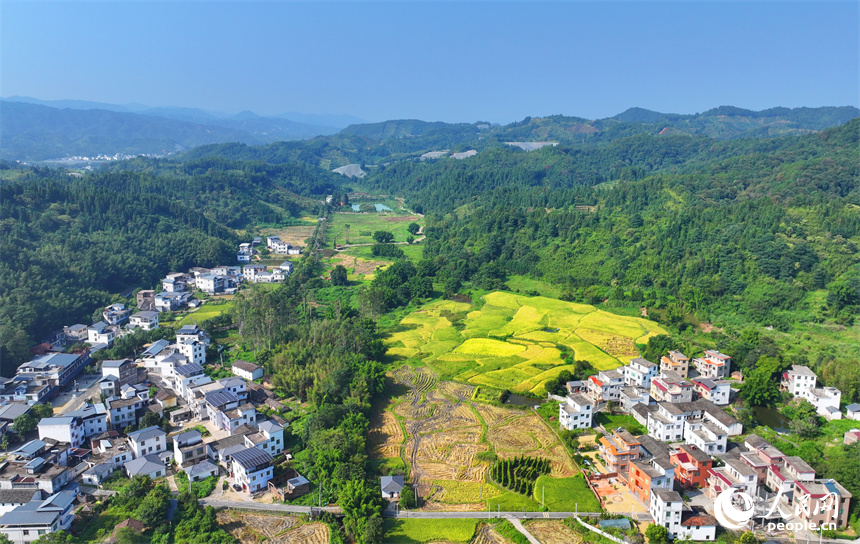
[{"x": 35, "y": 130}]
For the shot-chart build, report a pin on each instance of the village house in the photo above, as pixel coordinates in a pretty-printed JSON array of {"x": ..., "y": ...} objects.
[
  {"x": 639, "y": 373},
  {"x": 247, "y": 370},
  {"x": 697, "y": 525},
  {"x": 13, "y": 498},
  {"x": 192, "y": 333},
  {"x": 111, "y": 449},
  {"x": 391, "y": 486},
  {"x": 691, "y": 466},
  {"x": 716, "y": 391},
  {"x": 124, "y": 411},
  {"x": 75, "y": 334},
  {"x": 193, "y": 351},
  {"x": 802, "y": 382},
  {"x": 56, "y": 369},
  {"x": 245, "y": 253},
  {"x": 618, "y": 450},
  {"x": 62, "y": 429},
  {"x": 210, "y": 283},
  {"x": 188, "y": 448},
  {"x": 235, "y": 385},
  {"x": 606, "y": 386},
  {"x": 202, "y": 470},
  {"x": 822, "y": 502},
  {"x": 251, "y": 468},
  {"x": 149, "y": 465},
  {"x": 175, "y": 282},
  {"x": 170, "y": 301},
  {"x": 852, "y": 411},
  {"x": 151, "y": 440},
  {"x": 649, "y": 474},
  {"x": 669, "y": 386},
  {"x": 705, "y": 435},
  {"x": 675, "y": 362},
  {"x": 116, "y": 314},
  {"x": 38, "y": 517},
  {"x": 734, "y": 474},
  {"x": 146, "y": 300},
  {"x": 575, "y": 412},
  {"x": 101, "y": 333},
  {"x": 26, "y": 470},
  {"x": 269, "y": 437},
  {"x": 666, "y": 507},
  {"x": 289, "y": 485},
  {"x": 166, "y": 398},
  {"x": 145, "y": 320},
  {"x": 93, "y": 417},
  {"x": 713, "y": 364},
  {"x": 250, "y": 271},
  {"x": 124, "y": 370},
  {"x": 631, "y": 396}
]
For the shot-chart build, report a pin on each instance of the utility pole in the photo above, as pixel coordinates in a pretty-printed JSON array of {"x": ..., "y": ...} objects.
[{"x": 543, "y": 496}]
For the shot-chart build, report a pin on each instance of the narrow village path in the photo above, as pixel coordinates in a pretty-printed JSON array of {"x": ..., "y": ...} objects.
[{"x": 519, "y": 526}]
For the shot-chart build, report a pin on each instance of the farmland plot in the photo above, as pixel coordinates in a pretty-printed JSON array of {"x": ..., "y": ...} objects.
[{"x": 515, "y": 342}]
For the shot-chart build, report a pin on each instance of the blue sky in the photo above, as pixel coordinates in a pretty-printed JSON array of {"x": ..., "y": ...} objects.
[{"x": 445, "y": 61}]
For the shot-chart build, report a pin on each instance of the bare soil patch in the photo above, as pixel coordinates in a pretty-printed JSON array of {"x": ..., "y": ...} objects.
[
  {"x": 552, "y": 532},
  {"x": 250, "y": 528}
]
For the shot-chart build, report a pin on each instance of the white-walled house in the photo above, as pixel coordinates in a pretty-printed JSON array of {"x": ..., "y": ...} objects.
[
  {"x": 797, "y": 379},
  {"x": 713, "y": 364},
  {"x": 666, "y": 508},
  {"x": 639, "y": 373},
  {"x": 101, "y": 333},
  {"x": 151, "y": 440},
  {"x": 93, "y": 418},
  {"x": 247, "y": 370},
  {"x": 716, "y": 391},
  {"x": 193, "y": 351},
  {"x": 38, "y": 517},
  {"x": 147, "y": 321},
  {"x": 269, "y": 437},
  {"x": 62, "y": 429},
  {"x": 252, "y": 469},
  {"x": 576, "y": 412}
]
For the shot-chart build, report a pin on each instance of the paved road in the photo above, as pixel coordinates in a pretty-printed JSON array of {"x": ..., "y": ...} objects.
[
  {"x": 272, "y": 507},
  {"x": 73, "y": 401},
  {"x": 495, "y": 515},
  {"x": 519, "y": 526}
]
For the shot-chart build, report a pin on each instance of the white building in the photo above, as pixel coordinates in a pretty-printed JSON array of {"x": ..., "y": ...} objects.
[
  {"x": 716, "y": 391},
  {"x": 62, "y": 429},
  {"x": 252, "y": 468},
  {"x": 93, "y": 417},
  {"x": 147, "y": 321},
  {"x": 193, "y": 351},
  {"x": 247, "y": 370},
  {"x": 735, "y": 474},
  {"x": 669, "y": 386},
  {"x": 705, "y": 435},
  {"x": 666, "y": 508},
  {"x": 100, "y": 333},
  {"x": 639, "y": 373},
  {"x": 115, "y": 314},
  {"x": 606, "y": 386},
  {"x": 148, "y": 465},
  {"x": 188, "y": 448},
  {"x": 189, "y": 333},
  {"x": 38, "y": 517},
  {"x": 269, "y": 438},
  {"x": 797, "y": 379},
  {"x": 151, "y": 440},
  {"x": 575, "y": 412}
]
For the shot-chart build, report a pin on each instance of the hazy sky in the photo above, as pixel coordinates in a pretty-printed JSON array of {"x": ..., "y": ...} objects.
[{"x": 446, "y": 61}]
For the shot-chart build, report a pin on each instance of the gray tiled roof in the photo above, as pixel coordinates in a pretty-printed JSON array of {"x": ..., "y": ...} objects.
[{"x": 251, "y": 457}]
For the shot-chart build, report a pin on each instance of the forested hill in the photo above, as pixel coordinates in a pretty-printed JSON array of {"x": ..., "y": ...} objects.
[
  {"x": 75, "y": 243},
  {"x": 392, "y": 141}
]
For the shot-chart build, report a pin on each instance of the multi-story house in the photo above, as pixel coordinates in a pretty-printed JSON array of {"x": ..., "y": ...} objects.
[
  {"x": 618, "y": 450},
  {"x": 175, "y": 282},
  {"x": 716, "y": 391},
  {"x": 692, "y": 466},
  {"x": 606, "y": 386},
  {"x": 666, "y": 423},
  {"x": 575, "y": 412},
  {"x": 38, "y": 517},
  {"x": 639, "y": 373},
  {"x": 713, "y": 364},
  {"x": 676, "y": 362},
  {"x": 250, "y": 271},
  {"x": 251, "y": 468},
  {"x": 210, "y": 283},
  {"x": 62, "y": 429},
  {"x": 734, "y": 474},
  {"x": 93, "y": 418},
  {"x": 631, "y": 396},
  {"x": 33, "y": 473},
  {"x": 146, "y": 300},
  {"x": 188, "y": 448},
  {"x": 269, "y": 437},
  {"x": 193, "y": 350},
  {"x": 124, "y": 411},
  {"x": 115, "y": 314},
  {"x": 669, "y": 386},
  {"x": 101, "y": 333},
  {"x": 111, "y": 449},
  {"x": 705, "y": 435},
  {"x": 55, "y": 369},
  {"x": 170, "y": 301},
  {"x": 649, "y": 474},
  {"x": 145, "y": 320},
  {"x": 150, "y": 440},
  {"x": 666, "y": 507},
  {"x": 237, "y": 386},
  {"x": 124, "y": 370},
  {"x": 230, "y": 420},
  {"x": 797, "y": 379},
  {"x": 191, "y": 333},
  {"x": 822, "y": 502}
]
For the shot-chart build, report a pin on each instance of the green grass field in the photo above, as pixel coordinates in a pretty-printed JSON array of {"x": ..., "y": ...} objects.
[
  {"x": 513, "y": 342},
  {"x": 458, "y": 492},
  {"x": 207, "y": 311},
  {"x": 362, "y": 226},
  {"x": 565, "y": 494},
  {"x": 624, "y": 421},
  {"x": 417, "y": 531}
]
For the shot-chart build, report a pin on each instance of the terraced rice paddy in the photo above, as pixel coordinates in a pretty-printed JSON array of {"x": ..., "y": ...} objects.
[
  {"x": 514, "y": 342},
  {"x": 250, "y": 528}
]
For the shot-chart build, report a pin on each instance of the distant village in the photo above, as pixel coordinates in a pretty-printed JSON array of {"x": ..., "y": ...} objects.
[
  {"x": 688, "y": 445},
  {"x": 218, "y": 425}
]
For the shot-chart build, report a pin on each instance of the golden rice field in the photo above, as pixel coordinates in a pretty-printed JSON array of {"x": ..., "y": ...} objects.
[{"x": 513, "y": 341}]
